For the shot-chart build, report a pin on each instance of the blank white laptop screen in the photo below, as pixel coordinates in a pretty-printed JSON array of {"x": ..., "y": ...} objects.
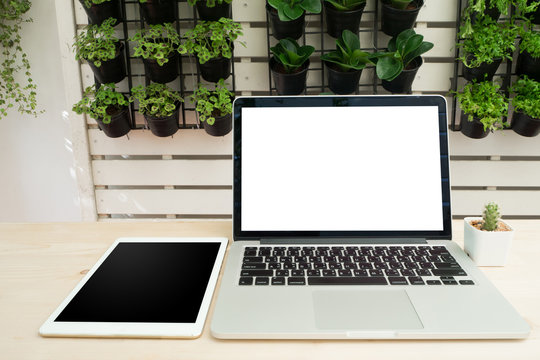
[{"x": 341, "y": 169}]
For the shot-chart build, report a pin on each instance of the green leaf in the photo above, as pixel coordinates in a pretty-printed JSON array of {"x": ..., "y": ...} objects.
[
  {"x": 311, "y": 6},
  {"x": 350, "y": 40},
  {"x": 388, "y": 68},
  {"x": 291, "y": 13}
]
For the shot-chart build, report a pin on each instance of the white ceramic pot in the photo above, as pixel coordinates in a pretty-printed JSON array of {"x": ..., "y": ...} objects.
[{"x": 487, "y": 248}]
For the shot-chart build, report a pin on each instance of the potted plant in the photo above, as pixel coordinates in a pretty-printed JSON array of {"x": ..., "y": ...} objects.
[
  {"x": 158, "y": 11},
  {"x": 17, "y": 88},
  {"x": 100, "y": 10},
  {"x": 488, "y": 239},
  {"x": 343, "y": 14},
  {"x": 532, "y": 11},
  {"x": 397, "y": 68},
  {"x": 485, "y": 47},
  {"x": 160, "y": 106},
  {"x": 526, "y": 116},
  {"x": 478, "y": 9},
  {"x": 212, "y": 43},
  {"x": 158, "y": 46},
  {"x": 109, "y": 108},
  {"x": 287, "y": 17},
  {"x": 399, "y": 15},
  {"x": 214, "y": 108},
  {"x": 212, "y": 10},
  {"x": 528, "y": 61},
  {"x": 103, "y": 51},
  {"x": 289, "y": 66},
  {"x": 483, "y": 108},
  {"x": 344, "y": 65}
]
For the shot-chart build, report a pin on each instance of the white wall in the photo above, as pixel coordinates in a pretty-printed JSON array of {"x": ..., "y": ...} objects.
[{"x": 38, "y": 182}]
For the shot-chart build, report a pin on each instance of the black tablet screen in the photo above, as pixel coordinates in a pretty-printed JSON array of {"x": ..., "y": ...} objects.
[{"x": 146, "y": 282}]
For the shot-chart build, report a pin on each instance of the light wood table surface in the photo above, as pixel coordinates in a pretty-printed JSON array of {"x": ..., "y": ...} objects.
[{"x": 41, "y": 263}]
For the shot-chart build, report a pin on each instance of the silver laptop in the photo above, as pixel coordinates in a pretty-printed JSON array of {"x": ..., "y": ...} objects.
[{"x": 342, "y": 226}]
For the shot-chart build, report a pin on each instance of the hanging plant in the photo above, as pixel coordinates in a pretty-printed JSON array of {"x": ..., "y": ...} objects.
[{"x": 14, "y": 61}]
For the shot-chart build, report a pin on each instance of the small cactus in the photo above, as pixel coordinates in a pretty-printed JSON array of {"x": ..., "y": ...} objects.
[{"x": 491, "y": 217}]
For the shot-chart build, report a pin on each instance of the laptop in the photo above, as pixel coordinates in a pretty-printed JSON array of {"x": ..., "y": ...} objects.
[{"x": 342, "y": 226}]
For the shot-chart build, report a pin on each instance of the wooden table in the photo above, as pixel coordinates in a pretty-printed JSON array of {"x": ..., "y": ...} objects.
[{"x": 41, "y": 263}]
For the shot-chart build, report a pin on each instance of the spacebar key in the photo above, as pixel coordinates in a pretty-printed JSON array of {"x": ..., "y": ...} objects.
[{"x": 361, "y": 280}]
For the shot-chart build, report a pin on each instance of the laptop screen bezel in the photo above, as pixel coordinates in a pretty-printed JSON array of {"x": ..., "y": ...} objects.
[{"x": 330, "y": 101}]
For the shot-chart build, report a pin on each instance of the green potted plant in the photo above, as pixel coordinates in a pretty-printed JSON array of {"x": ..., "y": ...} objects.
[
  {"x": 399, "y": 15},
  {"x": 160, "y": 106},
  {"x": 483, "y": 108},
  {"x": 158, "y": 46},
  {"x": 487, "y": 239},
  {"x": 212, "y": 10},
  {"x": 343, "y": 14},
  {"x": 214, "y": 108},
  {"x": 397, "y": 68},
  {"x": 212, "y": 44},
  {"x": 100, "y": 10},
  {"x": 109, "y": 108},
  {"x": 158, "y": 11},
  {"x": 103, "y": 51},
  {"x": 344, "y": 65},
  {"x": 484, "y": 49},
  {"x": 17, "y": 88},
  {"x": 287, "y": 17},
  {"x": 289, "y": 66},
  {"x": 526, "y": 102},
  {"x": 528, "y": 61}
]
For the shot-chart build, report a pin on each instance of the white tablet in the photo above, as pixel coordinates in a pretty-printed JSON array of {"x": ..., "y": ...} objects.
[{"x": 143, "y": 287}]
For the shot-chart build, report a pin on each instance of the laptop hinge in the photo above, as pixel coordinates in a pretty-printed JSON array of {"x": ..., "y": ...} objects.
[{"x": 343, "y": 241}]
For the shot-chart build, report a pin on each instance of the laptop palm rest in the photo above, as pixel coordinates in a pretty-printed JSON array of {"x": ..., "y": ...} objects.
[{"x": 364, "y": 310}]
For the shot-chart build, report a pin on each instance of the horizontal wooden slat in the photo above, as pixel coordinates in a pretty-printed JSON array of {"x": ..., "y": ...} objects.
[
  {"x": 184, "y": 142},
  {"x": 163, "y": 172},
  {"x": 501, "y": 143},
  {"x": 495, "y": 173},
  {"x": 515, "y": 203},
  {"x": 437, "y": 11},
  {"x": 187, "y": 202}
]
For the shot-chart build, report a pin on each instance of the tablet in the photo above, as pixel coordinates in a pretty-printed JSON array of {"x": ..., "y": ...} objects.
[{"x": 143, "y": 287}]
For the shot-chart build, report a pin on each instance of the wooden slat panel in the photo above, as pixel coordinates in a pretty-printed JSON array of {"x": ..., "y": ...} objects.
[
  {"x": 188, "y": 202},
  {"x": 501, "y": 143},
  {"x": 255, "y": 40},
  {"x": 516, "y": 203},
  {"x": 163, "y": 172},
  {"x": 495, "y": 173},
  {"x": 437, "y": 10},
  {"x": 184, "y": 142},
  {"x": 249, "y": 10},
  {"x": 251, "y": 76},
  {"x": 433, "y": 77}
]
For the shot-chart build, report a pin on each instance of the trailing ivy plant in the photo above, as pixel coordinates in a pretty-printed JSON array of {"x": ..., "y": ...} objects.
[
  {"x": 291, "y": 55},
  {"x": 484, "y": 101},
  {"x": 157, "y": 100},
  {"x": 346, "y": 5},
  {"x": 157, "y": 42},
  {"x": 292, "y": 9},
  {"x": 101, "y": 103},
  {"x": 211, "y": 39},
  {"x": 210, "y": 104},
  {"x": 89, "y": 3},
  {"x": 14, "y": 64},
  {"x": 530, "y": 42},
  {"x": 209, "y": 3},
  {"x": 488, "y": 41},
  {"x": 348, "y": 56},
  {"x": 527, "y": 96},
  {"x": 97, "y": 43}
]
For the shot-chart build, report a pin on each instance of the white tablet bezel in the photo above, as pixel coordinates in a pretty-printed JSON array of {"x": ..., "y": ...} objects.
[{"x": 123, "y": 329}]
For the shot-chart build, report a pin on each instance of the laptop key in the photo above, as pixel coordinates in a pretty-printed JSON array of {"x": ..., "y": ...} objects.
[
  {"x": 298, "y": 273},
  {"x": 448, "y": 272},
  {"x": 257, "y": 273},
  {"x": 314, "y": 272},
  {"x": 361, "y": 280},
  {"x": 328, "y": 273},
  {"x": 282, "y": 272},
  {"x": 246, "y": 281},
  {"x": 449, "y": 282},
  {"x": 423, "y": 272},
  {"x": 253, "y": 259},
  {"x": 278, "y": 281},
  {"x": 433, "y": 282},
  {"x": 397, "y": 280},
  {"x": 250, "y": 252},
  {"x": 466, "y": 282},
  {"x": 297, "y": 281},
  {"x": 249, "y": 266},
  {"x": 261, "y": 281},
  {"x": 344, "y": 272},
  {"x": 447, "y": 265},
  {"x": 416, "y": 280}
]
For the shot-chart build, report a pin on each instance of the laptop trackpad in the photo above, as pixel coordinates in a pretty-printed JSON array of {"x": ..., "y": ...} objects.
[{"x": 364, "y": 310}]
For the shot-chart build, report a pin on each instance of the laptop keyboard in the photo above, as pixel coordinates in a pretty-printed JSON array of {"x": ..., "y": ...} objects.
[{"x": 350, "y": 265}]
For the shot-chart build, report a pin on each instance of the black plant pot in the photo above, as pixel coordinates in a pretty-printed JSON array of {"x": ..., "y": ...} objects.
[
  {"x": 98, "y": 13},
  {"x": 484, "y": 72},
  {"x": 162, "y": 73},
  {"x": 402, "y": 84},
  {"x": 111, "y": 71},
  {"x": 528, "y": 65},
  {"x": 221, "y": 127},
  {"x": 339, "y": 20},
  {"x": 283, "y": 29},
  {"x": 473, "y": 129},
  {"x": 342, "y": 83},
  {"x": 164, "y": 126},
  {"x": 394, "y": 21},
  {"x": 525, "y": 125},
  {"x": 215, "y": 69},
  {"x": 158, "y": 11},
  {"x": 289, "y": 84},
  {"x": 213, "y": 13},
  {"x": 120, "y": 124}
]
